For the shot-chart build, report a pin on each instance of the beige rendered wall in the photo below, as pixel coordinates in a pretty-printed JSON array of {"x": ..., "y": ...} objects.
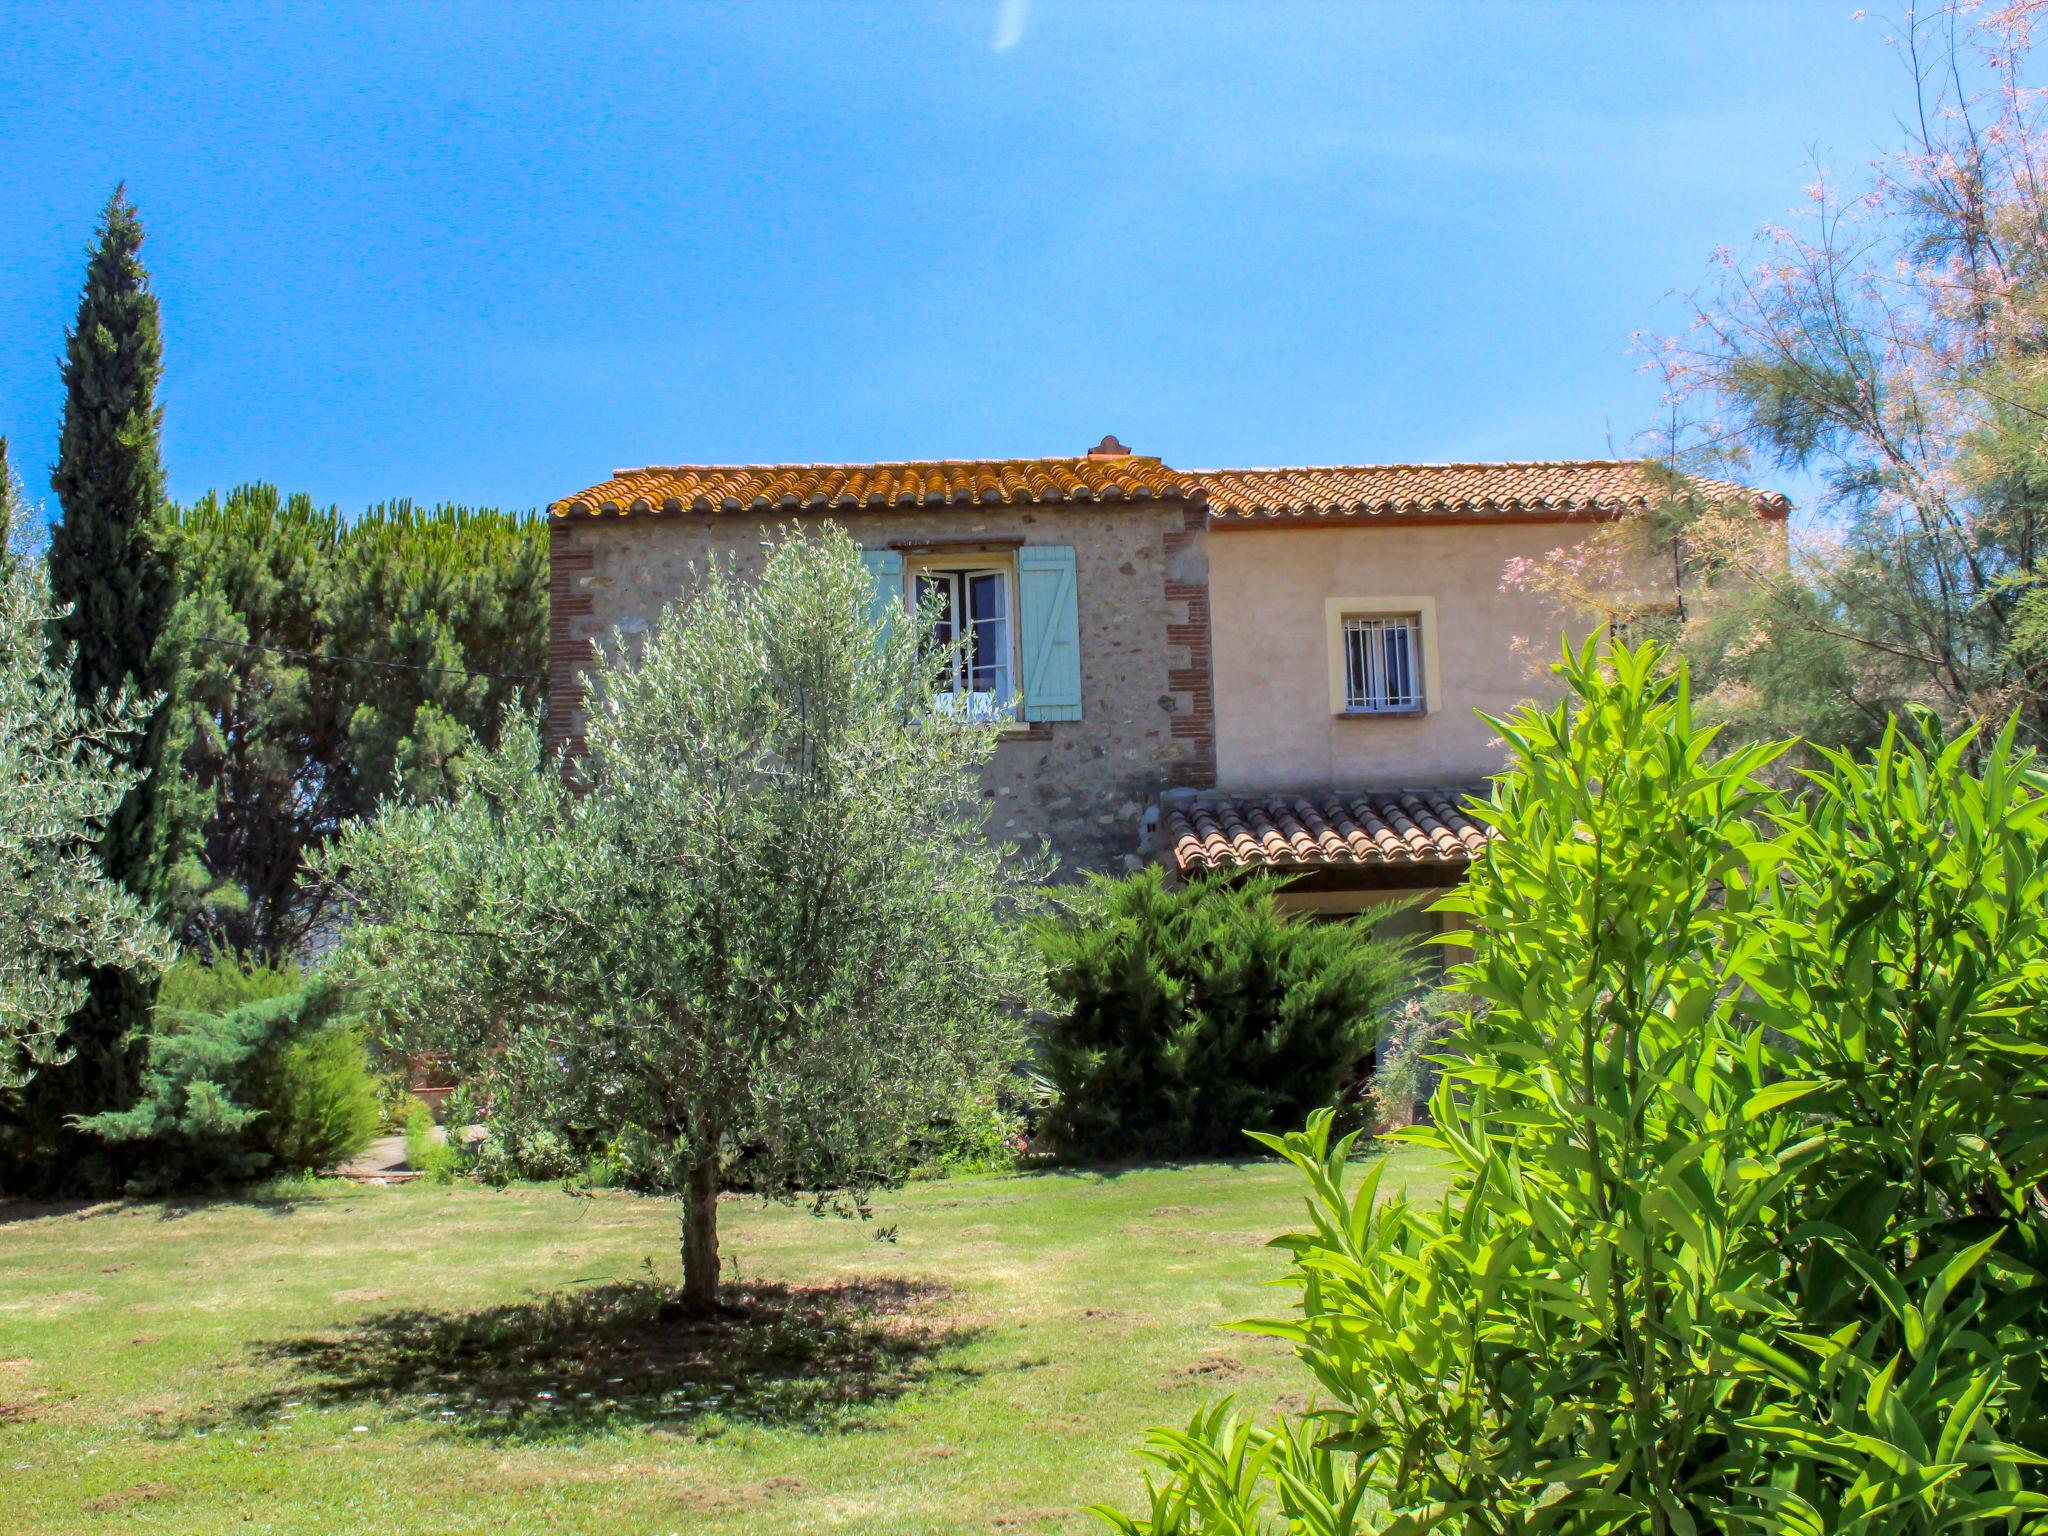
[
  {"x": 1269, "y": 592},
  {"x": 1083, "y": 786}
]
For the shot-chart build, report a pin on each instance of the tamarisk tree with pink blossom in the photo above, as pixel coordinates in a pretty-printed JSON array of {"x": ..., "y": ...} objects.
[{"x": 1889, "y": 342}]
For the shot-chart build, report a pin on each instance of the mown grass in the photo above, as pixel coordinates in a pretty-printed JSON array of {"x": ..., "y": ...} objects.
[{"x": 453, "y": 1359}]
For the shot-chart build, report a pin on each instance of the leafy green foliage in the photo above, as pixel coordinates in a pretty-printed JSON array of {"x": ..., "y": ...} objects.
[
  {"x": 766, "y": 932},
  {"x": 1404, "y": 1070},
  {"x": 1745, "y": 1229},
  {"x": 979, "y": 1133},
  {"x": 436, "y": 1158},
  {"x": 10, "y": 508},
  {"x": 111, "y": 574},
  {"x": 62, "y": 772},
  {"x": 326, "y": 664},
  {"x": 1195, "y": 1012},
  {"x": 278, "y": 1082},
  {"x": 529, "y": 1140},
  {"x": 319, "y": 1098},
  {"x": 224, "y": 983}
]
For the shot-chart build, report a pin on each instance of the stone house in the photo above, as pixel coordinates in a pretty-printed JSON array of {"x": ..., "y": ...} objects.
[{"x": 1214, "y": 669}]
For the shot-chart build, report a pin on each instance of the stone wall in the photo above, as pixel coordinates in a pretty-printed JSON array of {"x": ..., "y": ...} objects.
[{"x": 1088, "y": 787}]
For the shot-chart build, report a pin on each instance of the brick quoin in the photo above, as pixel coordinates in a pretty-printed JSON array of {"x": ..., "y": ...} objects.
[{"x": 1196, "y": 725}]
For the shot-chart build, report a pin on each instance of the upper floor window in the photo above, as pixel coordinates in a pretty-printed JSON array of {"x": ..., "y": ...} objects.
[
  {"x": 976, "y": 626},
  {"x": 1013, "y": 607},
  {"x": 1383, "y": 664}
]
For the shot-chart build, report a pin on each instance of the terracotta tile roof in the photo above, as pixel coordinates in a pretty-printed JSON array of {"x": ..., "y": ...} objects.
[
  {"x": 1403, "y": 827},
  {"x": 943, "y": 482},
  {"x": 1535, "y": 490},
  {"x": 1586, "y": 487}
]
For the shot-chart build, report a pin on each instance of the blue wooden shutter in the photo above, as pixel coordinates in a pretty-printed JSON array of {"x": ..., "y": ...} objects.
[
  {"x": 885, "y": 567},
  {"x": 1052, "y": 632}
]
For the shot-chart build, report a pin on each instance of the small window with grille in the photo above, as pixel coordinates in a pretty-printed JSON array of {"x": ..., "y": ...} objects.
[{"x": 1383, "y": 665}]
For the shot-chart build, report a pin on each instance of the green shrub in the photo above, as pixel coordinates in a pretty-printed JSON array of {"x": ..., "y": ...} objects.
[
  {"x": 522, "y": 1142},
  {"x": 439, "y": 1161},
  {"x": 279, "y": 1081},
  {"x": 1746, "y": 1227},
  {"x": 319, "y": 1099},
  {"x": 1193, "y": 1013},
  {"x": 980, "y": 1134},
  {"x": 395, "y": 1100},
  {"x": 223, "y": 984}
]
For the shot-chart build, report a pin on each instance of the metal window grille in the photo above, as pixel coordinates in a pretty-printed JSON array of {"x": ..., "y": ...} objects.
[{"x": 1383, "y": 666}]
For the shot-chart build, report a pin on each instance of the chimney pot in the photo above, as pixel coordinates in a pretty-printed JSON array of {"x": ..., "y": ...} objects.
[{"x": 1109, "y": 448}]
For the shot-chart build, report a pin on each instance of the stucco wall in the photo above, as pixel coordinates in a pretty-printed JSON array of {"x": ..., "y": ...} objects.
[
  {"x": 1085, "y": 786},
  {"x": 1269, "y": 588}
]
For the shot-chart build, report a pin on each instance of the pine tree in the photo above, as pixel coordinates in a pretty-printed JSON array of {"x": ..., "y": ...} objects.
[
  {"x": 326, "y": 663},
  {"x": 110, "y": 564}
]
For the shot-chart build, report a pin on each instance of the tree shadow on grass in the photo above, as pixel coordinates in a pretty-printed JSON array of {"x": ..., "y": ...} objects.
[
  {"x": 625, "y": 1355},
  {"x": 271, "y": 1200}
]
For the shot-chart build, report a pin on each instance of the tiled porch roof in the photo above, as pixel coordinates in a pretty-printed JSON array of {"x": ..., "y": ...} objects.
[
  {"x": 1403, "y": 828},
  {"x": 933, "y": 483},
  {"x": 1537, "y": 490}
]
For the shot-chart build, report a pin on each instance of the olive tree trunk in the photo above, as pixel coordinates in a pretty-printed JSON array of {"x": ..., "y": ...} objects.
[{"x": 700, "y": 1235}]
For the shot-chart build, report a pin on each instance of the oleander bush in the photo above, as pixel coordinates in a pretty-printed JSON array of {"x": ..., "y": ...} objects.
[
  {"x": 1747, "y": 1228},
  {"x": 1192, "y": 1013}
]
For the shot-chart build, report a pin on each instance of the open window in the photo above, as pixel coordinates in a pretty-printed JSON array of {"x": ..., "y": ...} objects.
[
  {"x": 976, "y": 604},
  {"x": 1015, "y": 608}
]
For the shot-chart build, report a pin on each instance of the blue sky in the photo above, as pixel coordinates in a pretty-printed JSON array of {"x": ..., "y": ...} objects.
[{"x": 486, "y": 253}]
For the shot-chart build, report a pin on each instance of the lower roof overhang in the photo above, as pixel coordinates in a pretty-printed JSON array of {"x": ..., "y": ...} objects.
[{"x": 1402, "y": 839}]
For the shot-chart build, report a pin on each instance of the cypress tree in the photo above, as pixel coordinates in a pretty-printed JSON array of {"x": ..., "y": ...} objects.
[{"x": 110, "y": 561}]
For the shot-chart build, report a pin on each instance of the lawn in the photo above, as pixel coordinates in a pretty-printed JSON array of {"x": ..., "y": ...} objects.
[{"x": 456, "y": 1359}]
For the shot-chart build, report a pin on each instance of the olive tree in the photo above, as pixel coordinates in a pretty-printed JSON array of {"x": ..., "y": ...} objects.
[
  {"x": 756, "y": 922},
  {"x": 60, "y": 778}
]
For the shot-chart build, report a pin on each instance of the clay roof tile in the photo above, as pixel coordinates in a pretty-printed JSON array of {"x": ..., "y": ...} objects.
[
  {"x": 1567, "y": 487},
  {"x": 1234, "y": 497},
  {"x": 1400, "y": 828}
]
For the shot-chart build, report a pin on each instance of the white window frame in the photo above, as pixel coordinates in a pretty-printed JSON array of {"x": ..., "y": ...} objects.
[
  {"x": 961, "y": 565},
  {"x": 1339, "y": 613}
]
